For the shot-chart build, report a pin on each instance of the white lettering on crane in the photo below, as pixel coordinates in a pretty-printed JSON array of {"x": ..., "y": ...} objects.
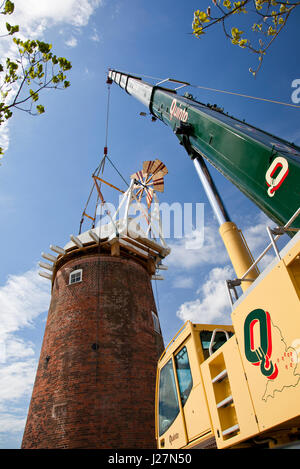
[
  {"x": 178, "y": 112},
  {"x": 296, "y": 94},
  {"x": 274, "y": 183}
]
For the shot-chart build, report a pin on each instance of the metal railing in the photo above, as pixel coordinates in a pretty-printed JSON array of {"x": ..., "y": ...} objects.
[{"x": 274, "y": 234}]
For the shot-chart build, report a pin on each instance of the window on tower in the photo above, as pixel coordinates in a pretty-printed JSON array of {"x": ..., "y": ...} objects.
[{"x": 75, "y": 276}]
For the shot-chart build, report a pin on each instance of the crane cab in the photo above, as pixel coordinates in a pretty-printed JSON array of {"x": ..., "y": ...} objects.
[{"x": 182, "y": 414}]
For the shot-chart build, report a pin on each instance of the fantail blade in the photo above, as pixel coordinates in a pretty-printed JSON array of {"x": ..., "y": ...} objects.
[
  {"x": 152, "y": 167},
  {"x": 149, "y": 196},
  {"x": 139, "y": 175}
]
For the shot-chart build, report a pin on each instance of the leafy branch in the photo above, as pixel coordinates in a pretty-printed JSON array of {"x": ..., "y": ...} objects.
[
  {"x": 271, "y": 18},
  {"x": 34, "y": 68}
]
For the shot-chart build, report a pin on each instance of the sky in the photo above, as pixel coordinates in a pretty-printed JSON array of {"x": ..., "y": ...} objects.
[{"x": 45, "y": 176}]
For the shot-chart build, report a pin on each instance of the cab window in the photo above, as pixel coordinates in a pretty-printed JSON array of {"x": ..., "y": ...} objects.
[
  {"x": 183, "y": 370},
  {"x": 168, "y": 400},
  {"x": 205, "y": 337}
]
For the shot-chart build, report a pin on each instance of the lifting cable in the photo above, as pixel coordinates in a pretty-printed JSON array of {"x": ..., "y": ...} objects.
[
  {"x": 220, "y": 91},
  {"x": 245, "y": 96},
  {"x": 100, "y": 168},
  {"x": 98, "y": 279},
  {"x": 117, "y": 171}
]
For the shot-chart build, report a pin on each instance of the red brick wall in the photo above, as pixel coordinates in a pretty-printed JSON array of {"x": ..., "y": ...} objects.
[{"x": 95, "y": 381}]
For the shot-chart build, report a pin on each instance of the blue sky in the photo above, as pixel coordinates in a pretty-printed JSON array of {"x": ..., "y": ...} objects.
[{"x": 45, "y": 177}]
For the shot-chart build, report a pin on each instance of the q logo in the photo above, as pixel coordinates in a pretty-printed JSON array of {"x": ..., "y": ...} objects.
[
  {"x": 260, "y": 355},
  {"x": 274, "y": 183}
]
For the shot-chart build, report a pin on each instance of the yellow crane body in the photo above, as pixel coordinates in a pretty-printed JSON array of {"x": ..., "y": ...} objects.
[{"x": 237, "y": 386}]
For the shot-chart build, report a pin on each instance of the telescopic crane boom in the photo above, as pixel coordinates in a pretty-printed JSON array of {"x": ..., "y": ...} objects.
[{"x": 264, "y": 167}]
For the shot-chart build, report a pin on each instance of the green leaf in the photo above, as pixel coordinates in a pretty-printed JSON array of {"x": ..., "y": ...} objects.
[
  {"x": 34, "y": 95},
  {"x": 64, "y": 63},
  {"x": 44, "y": 47},
  {"x": 7, "y": 113},
  {"x": 40, "y": 109},
  {"x": 227, "y": 4},
  {"x": 8, "y": 8},
  {"x": 14, "y": 29},
  {"x": 271, "y": 31},
  {"x": 243, "y": 43}
]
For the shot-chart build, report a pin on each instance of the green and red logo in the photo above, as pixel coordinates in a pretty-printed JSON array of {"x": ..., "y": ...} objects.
[
  {"x": 276, "y": 174},
  {"x": 260, "y": 354}
]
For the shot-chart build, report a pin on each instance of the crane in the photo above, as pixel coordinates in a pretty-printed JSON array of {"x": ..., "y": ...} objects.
[{"x": 232, "y": 386}]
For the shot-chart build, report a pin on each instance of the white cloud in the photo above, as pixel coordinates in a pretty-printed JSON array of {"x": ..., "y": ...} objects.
[
  {"x": 17, "y": 380},
  {"x": 212, "y": 306},
  {"x": 191, "y": 252},
  {"x": 16, "y": 348},
  {"x": 22, "y": 299},
  {"x": 16, "y": 384},
  {"x": 256, "y": 234},
  {"x": 117, "y": 10},
  {"x": 257, "y": 239},
  {"x": 36, "y": 15},
  {"x": 196, "y": 250},
  {"x": 72, "y": 42},
  {"x": 11, "y": 424},
  {"x": 183, "y": 282},
  {"x": 95, "y": 36},
  {"x": 4, "y": 136}
]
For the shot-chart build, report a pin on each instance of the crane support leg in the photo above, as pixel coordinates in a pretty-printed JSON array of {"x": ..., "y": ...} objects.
[
  {"x": 211, "y": 190},
  {"x": 232, "y": 237},
  {"x": 238, "y": 252}
]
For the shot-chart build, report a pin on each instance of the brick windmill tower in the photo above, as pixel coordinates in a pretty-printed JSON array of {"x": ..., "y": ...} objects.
[{"x": 95, "y": 381}]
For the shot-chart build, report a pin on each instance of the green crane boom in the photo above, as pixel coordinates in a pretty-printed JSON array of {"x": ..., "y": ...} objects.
[{"x": 264, "y": 167}]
